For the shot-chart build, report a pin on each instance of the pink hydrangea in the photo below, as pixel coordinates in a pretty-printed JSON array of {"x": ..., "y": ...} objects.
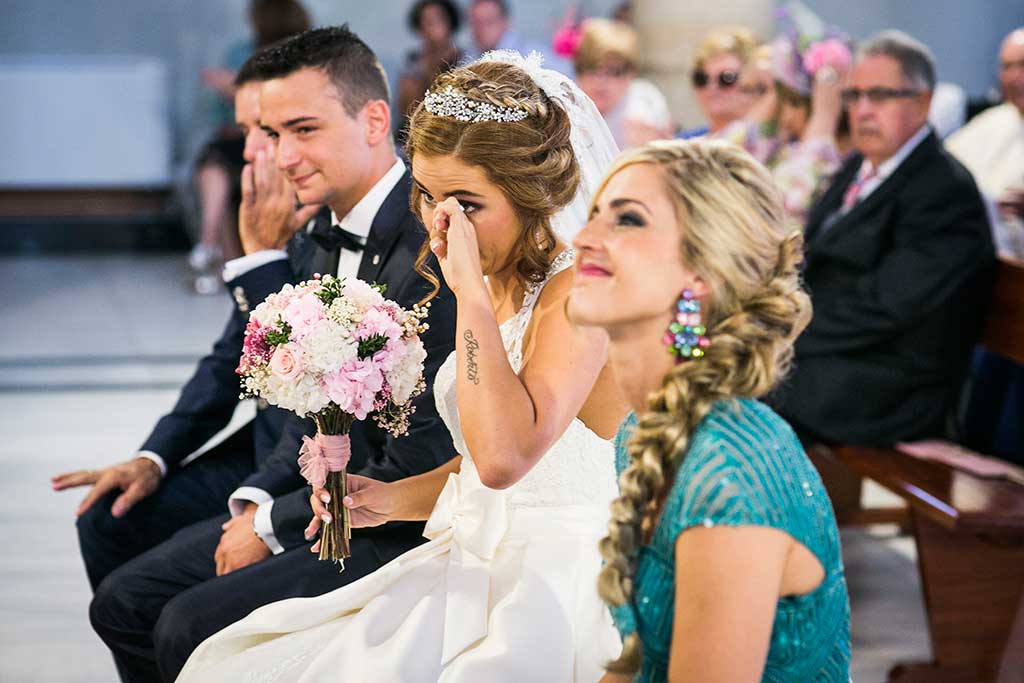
[
  {"x": 354, "y": 387},
  {"x": 830, "y": 52},
  {"x": 302, "y": 313},
  {"x": 378, "y": 321}
]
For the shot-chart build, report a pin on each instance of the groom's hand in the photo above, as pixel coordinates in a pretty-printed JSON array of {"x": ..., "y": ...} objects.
[
  {"x": 267, "y": 217},
  {"x": 239, "y": 545},
  {"x": 137, "y": 478}
]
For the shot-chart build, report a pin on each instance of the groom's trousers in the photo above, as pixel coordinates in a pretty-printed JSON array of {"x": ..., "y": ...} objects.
[{"x": 156, "y": 609}]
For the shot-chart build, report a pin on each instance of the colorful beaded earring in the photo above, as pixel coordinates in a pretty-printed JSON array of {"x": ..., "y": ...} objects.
[{"x": 685, "y": 337}]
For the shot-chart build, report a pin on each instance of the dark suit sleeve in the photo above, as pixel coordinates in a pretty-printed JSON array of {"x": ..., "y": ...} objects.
[
  {"x": 279, "y": 472},
  {"x": 940, "y": 239},
  {"x": 428, "y": 444},
  {"x": 208, "y": 400}
]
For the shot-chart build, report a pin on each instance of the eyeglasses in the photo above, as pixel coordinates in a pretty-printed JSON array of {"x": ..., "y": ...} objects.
[
  {"x": 618, "y": 71},
  {"x": 726, "y": 79},
  {"x": 875, "y": 95}
]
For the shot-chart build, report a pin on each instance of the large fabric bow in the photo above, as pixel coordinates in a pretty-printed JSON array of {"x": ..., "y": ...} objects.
[
  {"x": 322, "y": 454},
  {"x": 477, "y": 519}
]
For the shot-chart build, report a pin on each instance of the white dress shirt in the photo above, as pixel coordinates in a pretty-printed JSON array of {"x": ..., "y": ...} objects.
[
  {"x": 991, "y": 146},
  {"x": 889, "y": 166},
  {"x": 358, "y": 222}
]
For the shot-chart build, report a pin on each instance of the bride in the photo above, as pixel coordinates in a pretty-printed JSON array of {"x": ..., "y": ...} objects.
[{"x": 505, "y": 156}]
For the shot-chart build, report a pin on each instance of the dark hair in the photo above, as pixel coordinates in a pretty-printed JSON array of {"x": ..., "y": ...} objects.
[
  {"x": 450, "y": 10},
  {"x": 349, "y": 62},
  {"x": 502, "y": 5},
  {"x": 274, "y": 20}
]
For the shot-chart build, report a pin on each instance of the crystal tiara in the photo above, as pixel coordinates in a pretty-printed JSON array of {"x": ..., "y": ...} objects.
[{"x": 453, "y": 104}]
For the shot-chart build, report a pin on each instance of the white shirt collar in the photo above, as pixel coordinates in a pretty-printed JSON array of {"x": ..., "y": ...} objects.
[
  {"x": 359, "y": 220},
  {"x": 886, "y": 168}
]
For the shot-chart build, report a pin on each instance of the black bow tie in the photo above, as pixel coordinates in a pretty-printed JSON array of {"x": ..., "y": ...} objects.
[{"x": 332, "y": 237}]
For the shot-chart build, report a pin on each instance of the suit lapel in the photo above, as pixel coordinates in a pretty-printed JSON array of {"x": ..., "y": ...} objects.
[
  {"x": 879, "y": 197},
  {"x": 832, "y": 200},
  {"x": 385, "y": 230}
]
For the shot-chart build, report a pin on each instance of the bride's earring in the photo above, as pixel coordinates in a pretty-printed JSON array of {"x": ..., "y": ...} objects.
[{"x": 685, "y": 337}]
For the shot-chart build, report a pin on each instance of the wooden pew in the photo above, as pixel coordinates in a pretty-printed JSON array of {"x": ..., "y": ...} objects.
[{"x": 969, "y": 533}]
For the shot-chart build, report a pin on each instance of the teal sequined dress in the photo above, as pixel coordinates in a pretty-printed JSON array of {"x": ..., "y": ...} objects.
[{"x": 745, "y": 467}]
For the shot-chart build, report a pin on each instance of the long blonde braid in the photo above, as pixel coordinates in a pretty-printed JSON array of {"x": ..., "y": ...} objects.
[{"x": 734, "y": 237}]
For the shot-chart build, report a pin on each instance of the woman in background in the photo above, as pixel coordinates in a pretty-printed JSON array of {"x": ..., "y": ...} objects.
[
  {"x": 606, "y": 63},
  {"x": 720, "y": 63}
]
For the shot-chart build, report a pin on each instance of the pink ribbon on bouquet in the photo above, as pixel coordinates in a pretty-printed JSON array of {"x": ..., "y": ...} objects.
[{"x": 322, "y": 454}]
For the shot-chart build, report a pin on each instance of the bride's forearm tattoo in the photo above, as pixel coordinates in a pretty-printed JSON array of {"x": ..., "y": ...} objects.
[{"x": 472, "y": 346}]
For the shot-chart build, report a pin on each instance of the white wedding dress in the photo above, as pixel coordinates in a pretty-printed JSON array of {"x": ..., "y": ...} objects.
[{"x": 504, "y": 591}]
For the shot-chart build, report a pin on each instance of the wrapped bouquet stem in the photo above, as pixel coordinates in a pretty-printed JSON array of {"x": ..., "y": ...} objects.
[
  {"x": 337, "y": 351},
  {"x": 323, "y": 460}
]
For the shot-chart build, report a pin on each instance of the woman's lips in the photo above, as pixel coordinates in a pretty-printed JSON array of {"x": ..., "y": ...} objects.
[{"x": 590, "y": 270}]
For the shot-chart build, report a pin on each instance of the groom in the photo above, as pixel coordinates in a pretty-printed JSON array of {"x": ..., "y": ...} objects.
[{"x": 324, "y": 102}]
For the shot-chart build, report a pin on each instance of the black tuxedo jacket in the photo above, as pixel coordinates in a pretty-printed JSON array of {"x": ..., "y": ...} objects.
[
  {"x": 899, "y": 285},
  {"x": 389, "y": 259},
  {"x": 209, "y": 398}
]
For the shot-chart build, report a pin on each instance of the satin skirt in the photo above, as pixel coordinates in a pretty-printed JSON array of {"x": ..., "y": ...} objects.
[{"x": 496, "y": 595}]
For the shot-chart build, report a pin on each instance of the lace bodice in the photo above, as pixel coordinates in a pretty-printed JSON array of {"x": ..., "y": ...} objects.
[{"x": 578, "y": 469}]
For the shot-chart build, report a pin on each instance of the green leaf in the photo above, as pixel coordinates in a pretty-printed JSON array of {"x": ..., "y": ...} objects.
[{"x": 368, "y": 347}]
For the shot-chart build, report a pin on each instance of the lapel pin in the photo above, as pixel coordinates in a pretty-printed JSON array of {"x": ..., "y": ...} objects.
[{"x": 376, "y": 259}]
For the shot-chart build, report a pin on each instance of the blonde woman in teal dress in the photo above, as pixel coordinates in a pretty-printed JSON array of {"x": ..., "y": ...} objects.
[{"x": 722, "y": 561}]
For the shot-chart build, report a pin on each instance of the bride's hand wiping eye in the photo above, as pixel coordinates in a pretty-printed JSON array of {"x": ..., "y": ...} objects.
[{"x": 453, "y": 240}]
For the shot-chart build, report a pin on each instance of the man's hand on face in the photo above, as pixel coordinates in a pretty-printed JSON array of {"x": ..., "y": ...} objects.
[
  {"x": 239, "y": 545},
  {"x": 267, "y": 217},
  {"x": 137, "y": 478}
]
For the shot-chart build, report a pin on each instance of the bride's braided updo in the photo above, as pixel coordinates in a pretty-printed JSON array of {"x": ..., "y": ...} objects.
[
  {"x": 733, "y": 236},
  {"x": 531, "y": 161}
]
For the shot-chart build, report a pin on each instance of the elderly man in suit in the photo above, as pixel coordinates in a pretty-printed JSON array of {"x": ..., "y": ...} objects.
[
  {"x": 324, "y": 103},
  {"x": 898, "y": 253}
]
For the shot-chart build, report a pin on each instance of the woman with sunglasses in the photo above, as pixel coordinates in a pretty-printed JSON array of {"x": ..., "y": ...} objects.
[
  {"x": 797, "y": 127},
  {"x": 715, "y": 78}
]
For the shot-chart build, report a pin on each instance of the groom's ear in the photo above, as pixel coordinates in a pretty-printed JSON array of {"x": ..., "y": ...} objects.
[{"x": 375, "y": 117}]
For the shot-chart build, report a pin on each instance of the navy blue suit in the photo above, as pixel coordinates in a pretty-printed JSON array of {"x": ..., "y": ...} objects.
[
  {"x": 155, "y": 609},
  {"x": 205, "y": 406}
]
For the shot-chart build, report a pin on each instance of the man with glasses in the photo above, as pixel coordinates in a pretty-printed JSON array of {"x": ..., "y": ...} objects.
[{"x": 898, "y": 252}]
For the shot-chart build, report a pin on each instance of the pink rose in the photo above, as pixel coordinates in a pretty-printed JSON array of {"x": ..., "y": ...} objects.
[{"x": 286, "y": 363}]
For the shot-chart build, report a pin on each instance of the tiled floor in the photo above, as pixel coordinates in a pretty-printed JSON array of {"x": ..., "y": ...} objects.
[{"x": 93, "y": 350}]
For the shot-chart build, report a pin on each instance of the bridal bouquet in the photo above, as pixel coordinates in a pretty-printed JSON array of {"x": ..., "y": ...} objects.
[{"x": 336, "y": 350}]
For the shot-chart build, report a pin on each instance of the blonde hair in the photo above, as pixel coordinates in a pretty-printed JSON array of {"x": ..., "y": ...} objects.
[
  {"x": 530, "y": 161},
  {"x": 728, "y": 40},
  {"x": 734, "y": 237},
  {"x": 603, "y": 39}
]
